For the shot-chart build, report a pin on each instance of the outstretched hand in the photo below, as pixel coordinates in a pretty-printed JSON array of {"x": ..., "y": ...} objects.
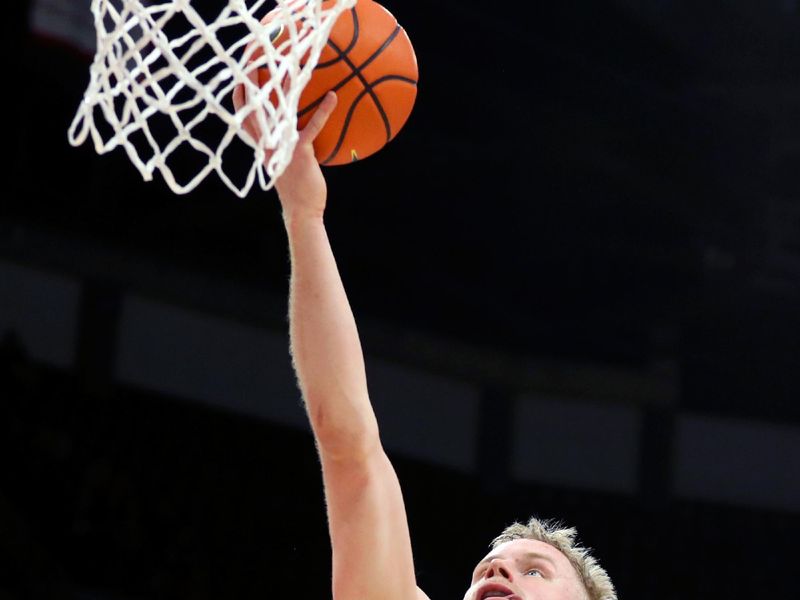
[{"x": 301, "y": 188}]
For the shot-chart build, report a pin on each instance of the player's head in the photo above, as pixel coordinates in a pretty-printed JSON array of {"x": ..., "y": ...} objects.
[{"x": 539, "y": 560}]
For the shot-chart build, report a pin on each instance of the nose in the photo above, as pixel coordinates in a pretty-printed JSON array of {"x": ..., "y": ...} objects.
[{"x": 499, "y": 568}]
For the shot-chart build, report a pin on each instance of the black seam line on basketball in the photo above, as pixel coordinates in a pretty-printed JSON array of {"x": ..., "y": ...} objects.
[
  {"x": 353, "y": 106},
  {"x": 356, "y": 70},
  {"x": 345, "y": 127},
  {"x": 386, "y": 124},
  {"x": 352, "y": 110},
  {"x": 352, "y": 44},
  {"x": 371, "y": 89}
]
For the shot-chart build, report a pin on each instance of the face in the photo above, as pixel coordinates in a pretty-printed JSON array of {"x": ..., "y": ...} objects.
[{"x": 525, "y": 570}]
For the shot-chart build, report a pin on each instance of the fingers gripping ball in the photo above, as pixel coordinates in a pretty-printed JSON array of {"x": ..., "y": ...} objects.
[{"x": 370, "y": 63}]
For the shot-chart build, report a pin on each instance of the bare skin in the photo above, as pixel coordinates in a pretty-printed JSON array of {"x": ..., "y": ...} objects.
[
  {"x": 372, "y": 557},
  {"x": 526, "y": 570},
  {"x": 366, "y": 516}
]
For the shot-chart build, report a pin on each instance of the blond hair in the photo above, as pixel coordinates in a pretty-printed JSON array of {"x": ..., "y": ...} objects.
[{"x": 594, "y": 577}]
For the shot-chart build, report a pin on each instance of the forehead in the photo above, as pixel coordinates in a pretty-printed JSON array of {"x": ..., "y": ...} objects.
[{"x": 516, "y": 549}]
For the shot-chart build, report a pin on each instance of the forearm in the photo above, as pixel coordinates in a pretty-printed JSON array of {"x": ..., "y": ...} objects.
[{"x": 325, "y": 345}]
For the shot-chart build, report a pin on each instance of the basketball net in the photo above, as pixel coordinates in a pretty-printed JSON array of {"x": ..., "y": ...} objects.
[{"x": 163, "y": 76}]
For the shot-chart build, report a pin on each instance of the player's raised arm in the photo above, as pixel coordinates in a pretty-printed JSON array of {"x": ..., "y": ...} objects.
[{"x": 367, "y": 520}]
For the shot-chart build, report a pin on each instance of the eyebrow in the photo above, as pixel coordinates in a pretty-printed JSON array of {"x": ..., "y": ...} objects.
[{"x": 526, "y": 556}]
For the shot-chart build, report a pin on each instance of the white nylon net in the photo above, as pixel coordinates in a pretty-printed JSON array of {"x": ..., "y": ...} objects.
[{"x": 163, "y": 76}]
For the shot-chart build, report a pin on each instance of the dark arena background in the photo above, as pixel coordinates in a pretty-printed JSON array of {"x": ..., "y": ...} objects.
[{"x": 576, "y": 273}]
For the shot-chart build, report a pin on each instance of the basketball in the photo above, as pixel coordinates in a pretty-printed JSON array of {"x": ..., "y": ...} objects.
[{"x": 370, "y": 63}]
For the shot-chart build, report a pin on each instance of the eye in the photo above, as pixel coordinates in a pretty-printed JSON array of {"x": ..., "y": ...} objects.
[{"x": 534, "y": 573}]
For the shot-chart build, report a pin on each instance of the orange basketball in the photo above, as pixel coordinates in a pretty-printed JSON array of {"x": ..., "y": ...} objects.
[{"x": 370, "y": 64}]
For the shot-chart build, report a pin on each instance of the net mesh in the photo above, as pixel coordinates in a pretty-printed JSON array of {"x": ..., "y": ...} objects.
[{"x": 163, "y": 77}]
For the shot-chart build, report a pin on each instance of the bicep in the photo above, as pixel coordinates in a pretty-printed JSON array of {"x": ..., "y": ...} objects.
[{"x": 372, "y": 556}]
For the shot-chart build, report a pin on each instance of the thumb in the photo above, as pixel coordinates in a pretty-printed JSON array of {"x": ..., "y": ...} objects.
[{"x": 318, "y": 120}]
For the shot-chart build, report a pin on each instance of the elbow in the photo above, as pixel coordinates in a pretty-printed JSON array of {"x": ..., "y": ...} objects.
[
  {"x": 347, "y": 446},
  {"x": 344, "y": 437}
]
